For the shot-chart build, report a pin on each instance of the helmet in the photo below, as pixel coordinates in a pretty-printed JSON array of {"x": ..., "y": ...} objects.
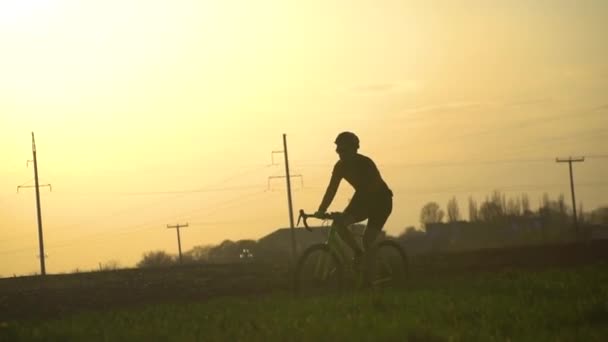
[{"x": 347, "y": 139}]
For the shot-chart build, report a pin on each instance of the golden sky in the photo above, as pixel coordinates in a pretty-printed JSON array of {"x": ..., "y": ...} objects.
[{"x": 149, "y": 113}]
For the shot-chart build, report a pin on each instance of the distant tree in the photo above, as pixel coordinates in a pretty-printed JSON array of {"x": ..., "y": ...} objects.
[
  {"x": 453, "y": 210},
  {"x": 514, "y": 207},
  {"x": 500, "y": 202},
  {"x": 553, "y": 211},
  {"x": 111, "y": 265},
  {"x": 561, "y": 203},
  {"x": 431, "y": 213},
  {"x": 188, "y": 258},
  {"x": 494, "y": 208},
  {"x": 473, "y": 210},
  {"x": 199, "y": 253},
  {"x": 156, "y": 259},
  {"x": 490, "y": 211},
  {"x": 525, "y": 205},
  {"x": 545, "y": 200}
]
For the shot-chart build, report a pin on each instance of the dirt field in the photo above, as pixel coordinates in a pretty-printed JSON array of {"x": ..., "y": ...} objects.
[{"x": 56, "y": 295}]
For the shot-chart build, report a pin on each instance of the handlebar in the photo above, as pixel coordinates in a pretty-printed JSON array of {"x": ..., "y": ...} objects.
[{"x": 304, "y": 216}]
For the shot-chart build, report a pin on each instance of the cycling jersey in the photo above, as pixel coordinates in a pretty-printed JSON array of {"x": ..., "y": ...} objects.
[{"x": 362, "y": 174}]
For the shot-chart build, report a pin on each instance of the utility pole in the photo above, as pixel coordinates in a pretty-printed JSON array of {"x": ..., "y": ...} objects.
[
  {"x": 288, "y": 177},
  {"x": 38, "y": 210},
  {"x": 570, "y": 161},
  {"x": 179, "y": 241},
  {"x": 290, "y": 203}
]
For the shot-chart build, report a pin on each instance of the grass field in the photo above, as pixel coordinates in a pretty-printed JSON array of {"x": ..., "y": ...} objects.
[{"x": 518, "y": 305}]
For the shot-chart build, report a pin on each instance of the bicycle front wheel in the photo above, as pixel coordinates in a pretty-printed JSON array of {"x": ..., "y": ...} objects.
[
  {"x": 390, "y": 266},
  {"x": 318, "y": 271}
]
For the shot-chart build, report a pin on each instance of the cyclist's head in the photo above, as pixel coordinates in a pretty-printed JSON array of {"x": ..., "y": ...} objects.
[{"x": 347, "y": 143}]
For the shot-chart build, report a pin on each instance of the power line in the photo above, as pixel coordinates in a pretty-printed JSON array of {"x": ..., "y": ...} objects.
[
  {"x": 147, "y": 225},
  {"x": 174, "y": 192},
  {"x": 465, "y": 162},
  {"x": 162, "y": 201},
  {"x": 596, "y": 156},
  {"x": 406, "y": 191},
  {"x": 222, "y": 205},
  {"x": 479, "y": 188},
  {"x": 449, "y": 163},
  {"x": 232, "y": 222},
  {"x": 400, "y": 190}
]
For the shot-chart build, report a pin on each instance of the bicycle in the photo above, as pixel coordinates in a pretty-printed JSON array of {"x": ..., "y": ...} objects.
[{"x": 323, "y": 267}]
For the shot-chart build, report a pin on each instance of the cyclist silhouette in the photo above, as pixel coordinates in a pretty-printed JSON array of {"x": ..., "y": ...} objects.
[{"x": 373, "y": 200}]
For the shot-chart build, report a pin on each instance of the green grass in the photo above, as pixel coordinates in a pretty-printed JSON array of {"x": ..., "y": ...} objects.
[{"x": 553, "y": 305}]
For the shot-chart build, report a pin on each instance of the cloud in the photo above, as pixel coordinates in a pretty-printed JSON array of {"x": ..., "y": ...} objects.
[
  {"x": 374, "y": 88},
  {"x": 457, "y": 105},
  {"x": 528, "y": 102},
  {"x": 407, "y": 86},
  {"x": 444, "y": 107}
]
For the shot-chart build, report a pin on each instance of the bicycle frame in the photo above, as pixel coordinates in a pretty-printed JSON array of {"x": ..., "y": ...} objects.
[{"x": 334, "y": 241}]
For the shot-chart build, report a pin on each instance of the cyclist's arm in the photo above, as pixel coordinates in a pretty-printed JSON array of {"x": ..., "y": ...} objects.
[{"x": 332, "y": 188}]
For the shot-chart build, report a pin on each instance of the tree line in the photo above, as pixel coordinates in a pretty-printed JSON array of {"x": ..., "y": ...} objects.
[{"x": 495, "y": 209}]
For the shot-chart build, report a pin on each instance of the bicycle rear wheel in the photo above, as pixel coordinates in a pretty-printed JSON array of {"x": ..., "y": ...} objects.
[
  {"x": 390, "y": 266},
  {"x": 318, "y": 271}
]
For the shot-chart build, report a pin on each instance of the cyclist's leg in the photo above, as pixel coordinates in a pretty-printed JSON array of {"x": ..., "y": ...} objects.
[
  {"x": 341, "y": 225},
  {"x": 354, "y": 212},
  {"x": 380, "y": 210}
]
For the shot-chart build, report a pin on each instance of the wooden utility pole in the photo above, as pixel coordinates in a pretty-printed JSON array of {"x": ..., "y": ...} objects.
[
  {"x": 289, "y": 201},
  {"x": 38, "y": 209},
  {"x": 288, "y": 177},
  {"x": 570, "y": 161},
  {"x": 179, "y": 242}
]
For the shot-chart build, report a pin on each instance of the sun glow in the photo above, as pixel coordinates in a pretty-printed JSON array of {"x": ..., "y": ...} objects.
[
  {"x": 23, "y": 12},
  {"x": 146, "y": 97}
]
